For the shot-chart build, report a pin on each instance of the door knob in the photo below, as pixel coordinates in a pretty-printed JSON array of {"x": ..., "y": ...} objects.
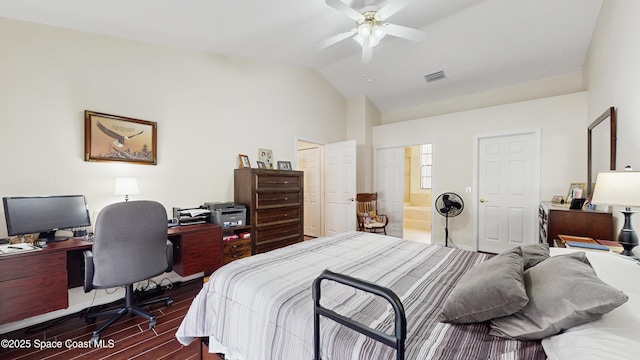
[{"x": 483, "y": 200}]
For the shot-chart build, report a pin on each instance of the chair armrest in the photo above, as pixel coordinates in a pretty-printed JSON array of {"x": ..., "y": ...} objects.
[
  {"x": 88, "y": 271},
  {"x": 386, "y": 219},
  {"x": 169, "y": 256}
]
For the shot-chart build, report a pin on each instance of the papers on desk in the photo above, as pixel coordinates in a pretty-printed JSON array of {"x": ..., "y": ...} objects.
[
  {"x": 194, "y": 212},
  {"x": 17, "y": 248}
]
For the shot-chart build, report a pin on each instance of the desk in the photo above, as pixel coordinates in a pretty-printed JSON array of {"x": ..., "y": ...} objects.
[{"x": 36, "y": 282}]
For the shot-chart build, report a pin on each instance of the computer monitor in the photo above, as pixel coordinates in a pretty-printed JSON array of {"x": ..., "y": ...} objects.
[{"x": 45, "y": 215}]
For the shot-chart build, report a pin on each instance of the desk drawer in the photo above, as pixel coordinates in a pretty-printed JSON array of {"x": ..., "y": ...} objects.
[
  {"x": 34, "y": 263},
  {"x": 236, "y": 249},
  {"x": 26, "y": 297}
]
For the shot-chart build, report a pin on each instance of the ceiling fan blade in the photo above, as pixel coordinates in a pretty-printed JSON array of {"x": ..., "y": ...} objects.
[
  {"x": 367, "y": 54},
  {"x": 391, "y": 8},
  {"x": 343, "y": 8},
  {"x": 405, "y": 32},
  {"x": 336, "y": 39}
]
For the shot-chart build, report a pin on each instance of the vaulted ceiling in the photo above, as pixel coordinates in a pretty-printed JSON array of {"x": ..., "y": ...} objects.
[{"x": 479, "y": 44}]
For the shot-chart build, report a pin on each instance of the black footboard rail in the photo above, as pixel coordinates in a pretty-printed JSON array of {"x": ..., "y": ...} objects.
[{"x": 396, "y": 342}]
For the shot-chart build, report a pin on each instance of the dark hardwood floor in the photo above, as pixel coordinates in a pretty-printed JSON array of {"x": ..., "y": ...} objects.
[{"x": 129, "y": 338}]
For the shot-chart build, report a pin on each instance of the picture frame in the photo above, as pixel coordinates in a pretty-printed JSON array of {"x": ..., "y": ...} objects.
[
  {"x": 261, "y": 165},
  {"x": 266, "y": 156},
  {"x": 244, "y": 161},
  {"x": 575, "y": 191},
  {"x": 284, "y": 165},
  {"x": 557, "y": 199},
  {"x": 121, "y": 139}
]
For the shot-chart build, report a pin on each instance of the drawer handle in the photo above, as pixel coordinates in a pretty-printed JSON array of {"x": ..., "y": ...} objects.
[{"x": 286, "y": 198}]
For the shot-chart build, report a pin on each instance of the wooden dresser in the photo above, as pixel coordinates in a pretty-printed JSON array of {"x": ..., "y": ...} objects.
[
  {"x": 274, "y": 201},
  {"x": 557, "y": 220}
]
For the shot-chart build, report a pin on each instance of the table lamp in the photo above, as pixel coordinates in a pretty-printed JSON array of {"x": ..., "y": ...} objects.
[
  {"x": 621, "y": 188},
  {"x": 126, "y": 186}
]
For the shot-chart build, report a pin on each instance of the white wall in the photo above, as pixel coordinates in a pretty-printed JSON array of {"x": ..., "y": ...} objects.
[
  {"x": 613, "y": 78},
  {"x": 208, "y": 108},
  {"x": 563, "y": 141}
]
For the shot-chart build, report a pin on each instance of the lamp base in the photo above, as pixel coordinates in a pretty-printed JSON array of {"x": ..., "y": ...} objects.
[{"x": 627, "y": 236}]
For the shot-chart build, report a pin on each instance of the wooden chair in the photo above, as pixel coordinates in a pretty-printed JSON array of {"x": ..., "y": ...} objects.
[{"x": 367, "y": 212}]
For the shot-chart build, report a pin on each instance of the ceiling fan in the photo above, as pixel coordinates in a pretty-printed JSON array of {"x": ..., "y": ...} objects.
[{"x": 370, "y": 27}]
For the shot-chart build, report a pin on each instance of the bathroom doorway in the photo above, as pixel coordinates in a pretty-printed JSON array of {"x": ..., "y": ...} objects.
[{"x": 417, "y": 216}]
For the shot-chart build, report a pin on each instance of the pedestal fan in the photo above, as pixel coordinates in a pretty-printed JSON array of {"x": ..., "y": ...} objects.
[{"x": 448, "y": 205}]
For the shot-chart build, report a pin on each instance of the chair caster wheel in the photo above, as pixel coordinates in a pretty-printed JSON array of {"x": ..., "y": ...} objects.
[
  {"x": 95, "y": 339},
  {"x": 89, "y": 320},
  {"x": 152, "y": 323},
  {"x": 168, "y": 302}
]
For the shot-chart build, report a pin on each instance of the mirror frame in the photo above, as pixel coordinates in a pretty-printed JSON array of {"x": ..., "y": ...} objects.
[{"x": 611, "y": 115}]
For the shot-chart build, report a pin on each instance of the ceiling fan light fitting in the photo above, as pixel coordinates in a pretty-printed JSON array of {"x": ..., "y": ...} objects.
[
  {"x": 379, "y": 32},
  {"x": 364, "y": 30}
]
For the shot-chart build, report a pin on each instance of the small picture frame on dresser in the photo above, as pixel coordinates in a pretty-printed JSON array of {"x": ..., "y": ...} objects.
[
  {"x": 244, "y": 161},
  {"x": 284, "y": 165},
  {"x": 575, "y": 192},
  {"x": 261, "y": 165}
]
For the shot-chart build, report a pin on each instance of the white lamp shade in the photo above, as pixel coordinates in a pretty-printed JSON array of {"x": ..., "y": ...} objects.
[
  {"x": 617, "y": 188},
  {"x": 126, "y": 186}
]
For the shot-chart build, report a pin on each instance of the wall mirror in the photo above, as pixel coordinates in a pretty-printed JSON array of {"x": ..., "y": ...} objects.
[{"x": 601, "y": 147}]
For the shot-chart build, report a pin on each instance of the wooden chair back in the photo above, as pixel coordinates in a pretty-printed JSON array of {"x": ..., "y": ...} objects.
[{"x": 366, "y": 202}]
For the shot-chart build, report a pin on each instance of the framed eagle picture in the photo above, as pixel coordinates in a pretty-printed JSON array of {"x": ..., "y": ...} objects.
[{"x": 117, "y": 138}]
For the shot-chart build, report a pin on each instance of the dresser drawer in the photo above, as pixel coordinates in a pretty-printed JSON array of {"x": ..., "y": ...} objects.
[
  {"x": 279, "y": 232},
  {"x": 269, "y": 216},
  {"x": 277, "y": 182},
  {"x": 260, "y": 248},
  {"x": 280, "y": 198},
  {"x": 236, "y": 249}
]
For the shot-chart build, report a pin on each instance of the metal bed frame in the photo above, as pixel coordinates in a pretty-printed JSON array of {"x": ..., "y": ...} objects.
[{"x": 397, "y": 341}]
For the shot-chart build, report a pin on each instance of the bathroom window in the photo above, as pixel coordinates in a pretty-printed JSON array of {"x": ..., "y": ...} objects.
[{"x": 426, "y": 163}]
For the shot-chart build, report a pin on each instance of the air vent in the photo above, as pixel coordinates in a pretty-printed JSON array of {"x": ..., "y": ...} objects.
[{"x": 438, "y": 75}]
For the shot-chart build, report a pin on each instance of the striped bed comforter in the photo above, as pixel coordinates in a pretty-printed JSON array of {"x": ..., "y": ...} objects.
[{"x": 261, "y": 307}]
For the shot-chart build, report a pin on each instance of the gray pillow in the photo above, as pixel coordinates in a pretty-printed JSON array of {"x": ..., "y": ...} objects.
[
  {"x": 534, "y": 254},
  {"x": 564, "y": 291},
  {"x": 490, "y": 289}
]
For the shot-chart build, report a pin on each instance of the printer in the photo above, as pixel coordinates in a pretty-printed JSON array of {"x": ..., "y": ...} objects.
[{"x": 227, "y": 214}]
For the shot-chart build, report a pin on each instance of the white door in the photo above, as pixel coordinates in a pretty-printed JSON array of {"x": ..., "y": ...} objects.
[
  {"x": 390, "y": 187},
  {"x": 309, "y": 162},
  {"x": 340, "y": 187},
  {"x": 508, "y": 173}
]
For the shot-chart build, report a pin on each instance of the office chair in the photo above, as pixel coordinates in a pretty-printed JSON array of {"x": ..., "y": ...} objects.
[{"x": 130, "y": 245}]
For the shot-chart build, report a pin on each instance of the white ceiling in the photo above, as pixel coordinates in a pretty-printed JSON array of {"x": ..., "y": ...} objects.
[{"x": 480, "y": 44}]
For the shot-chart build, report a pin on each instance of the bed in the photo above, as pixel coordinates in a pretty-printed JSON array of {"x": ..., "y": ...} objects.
[{"x": 261, "y": 307}]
